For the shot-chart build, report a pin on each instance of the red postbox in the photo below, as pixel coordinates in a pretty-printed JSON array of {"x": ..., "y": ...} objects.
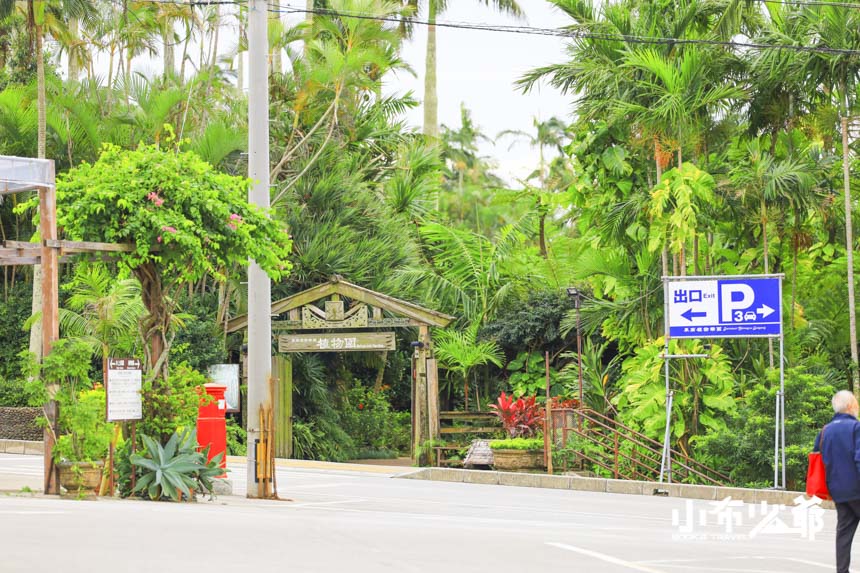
[{"x": 212, "y": 424}]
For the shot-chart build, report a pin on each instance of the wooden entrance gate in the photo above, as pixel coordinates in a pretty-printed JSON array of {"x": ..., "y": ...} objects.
[{"x": 339, "y": 316}]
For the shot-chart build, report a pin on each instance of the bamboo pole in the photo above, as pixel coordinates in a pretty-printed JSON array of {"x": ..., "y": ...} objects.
[{"x": 547, "y": 423}]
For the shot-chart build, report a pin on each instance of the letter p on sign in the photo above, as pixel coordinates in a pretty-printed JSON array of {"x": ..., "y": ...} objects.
[{"x": 735, "y": 297}]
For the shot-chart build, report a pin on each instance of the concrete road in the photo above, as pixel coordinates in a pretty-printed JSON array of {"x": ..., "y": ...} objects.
[{"x": 365, "y": 521}]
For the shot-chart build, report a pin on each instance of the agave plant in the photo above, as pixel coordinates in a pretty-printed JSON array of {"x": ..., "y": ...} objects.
[{"x": 176, "y": 468}]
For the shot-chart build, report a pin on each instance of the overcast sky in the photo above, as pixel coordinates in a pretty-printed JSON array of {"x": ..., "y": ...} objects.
[
  {"x": 479, "y": 69},
  {"x": 475, "y": 68}
]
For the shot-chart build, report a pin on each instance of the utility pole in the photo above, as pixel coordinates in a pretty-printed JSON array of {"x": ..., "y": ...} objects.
[{"x": 259, "y": 284}]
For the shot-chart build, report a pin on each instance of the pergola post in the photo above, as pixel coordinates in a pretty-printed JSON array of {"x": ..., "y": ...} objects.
[
  {"x": 50, "y": 317},
  {"x": 421, "y": 414}
]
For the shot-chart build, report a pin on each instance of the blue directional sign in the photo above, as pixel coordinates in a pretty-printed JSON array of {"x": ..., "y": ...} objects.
[{"x": 731, "y": 307}]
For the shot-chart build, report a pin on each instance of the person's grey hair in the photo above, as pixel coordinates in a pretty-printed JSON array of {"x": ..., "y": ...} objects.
[{"x": 843, "y": 401}]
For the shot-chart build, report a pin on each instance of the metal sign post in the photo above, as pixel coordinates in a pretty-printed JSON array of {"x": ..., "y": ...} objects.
[
  {"x": 123, "y": 402},
  {"x": 743, "y": 306}
]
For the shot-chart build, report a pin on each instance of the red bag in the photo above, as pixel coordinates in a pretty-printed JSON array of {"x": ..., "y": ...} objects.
[{"x": 816, "y": 475}]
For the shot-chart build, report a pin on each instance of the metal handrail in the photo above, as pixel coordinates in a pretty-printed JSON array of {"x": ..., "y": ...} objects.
[
  {"x": 616, "y": 470},
  {"x": 676, "y": 461},
  {"x": 638, "y": 438},
  {"x": 676, "y": 455}
]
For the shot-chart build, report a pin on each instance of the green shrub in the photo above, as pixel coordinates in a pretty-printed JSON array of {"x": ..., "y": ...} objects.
[
  {"x": 529, "y": 444},
  {"x": 318, "y": 440},
  {"x": 237, "y": 438},
  {"x": 85, "y": 435},
  {"x": 370, "y": 454},
  {"x": 172, "y": 404},
  {"x": 12, "y": 392},
  {"x": 745, "y": 447},
  {"x": 367, "y": 417}
]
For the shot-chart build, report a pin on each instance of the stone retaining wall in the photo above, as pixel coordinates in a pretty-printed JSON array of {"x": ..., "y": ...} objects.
[{"x": 20, "y": 424}]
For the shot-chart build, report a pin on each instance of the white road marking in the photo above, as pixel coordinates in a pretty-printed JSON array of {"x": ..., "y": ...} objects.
[
  {"x": 313, "y": 486},
  {"x": 806, "y": 562},
  {"x": 25, "y": 512},
  {"x": 603, "y": 557},
  {"x": 725, "y": 569},
  {"x": 319, "y": 503}
]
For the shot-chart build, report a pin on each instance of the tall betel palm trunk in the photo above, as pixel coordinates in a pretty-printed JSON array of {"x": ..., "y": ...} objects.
[
  {"x": 431, "y": 99},
  {"x": 41, "y": 144},
  {"x": 849, "y": 245},
  {"x": 167, "y": 41}
]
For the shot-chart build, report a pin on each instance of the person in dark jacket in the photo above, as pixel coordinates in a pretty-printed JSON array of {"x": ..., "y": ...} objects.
[{"x": 839, "y": 444}]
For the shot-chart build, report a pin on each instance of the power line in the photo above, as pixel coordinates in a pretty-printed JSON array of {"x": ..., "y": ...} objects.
[
  {"x": 835, "y": 3},
  {"x": 554, "y": 32},
  {"x": 572, "y": 34}
]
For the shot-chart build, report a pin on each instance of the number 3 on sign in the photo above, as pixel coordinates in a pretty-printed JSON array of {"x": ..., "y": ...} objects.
[{"x": 739, "y": 316}]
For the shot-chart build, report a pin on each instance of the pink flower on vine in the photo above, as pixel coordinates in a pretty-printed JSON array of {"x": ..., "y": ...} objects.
[
  {"x": 159, "y": 239},
  {"x": 153, "y": 196},
  {"x": 236, "y": 217},
  {"x": 232, "y": 226},
  {"x": 168, "y": 229}
]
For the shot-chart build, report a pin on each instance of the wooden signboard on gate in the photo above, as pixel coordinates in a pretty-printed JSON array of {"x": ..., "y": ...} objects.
[{"x": 340, "y": 342}]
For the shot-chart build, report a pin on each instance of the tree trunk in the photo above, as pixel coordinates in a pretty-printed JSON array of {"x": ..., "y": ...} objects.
[
  {"x": 542, "y": 238},
  {"x": 849, "y": 246},
  {"x": 41, "y": 144},
  {"x": 276, "y": 60},
  {"x": 431, "y": 98},
  {"x": 696, "y": 255},
  {"x": 240, "y": 62},
  {"x": 110, "y": 72},
  {"x": 42, "y": 95},
  {"x": 664, "y": 256},
  {"x": 167, "y": 45},
  {"x": 309, "y": 20},
  {"x": 156, "y": 323},
  {"x": 380, "y": 374},
  {"x": 185, "y": 53},
  {"x": 794, "y": 248},
  {"x": 683, "y": 262},
  {"x": 766, "y": 248},
  {"x": 74, "y": 69},
  {"x": 213, "y": 60}
]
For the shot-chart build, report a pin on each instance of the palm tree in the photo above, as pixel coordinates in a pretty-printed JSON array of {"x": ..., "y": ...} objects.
[
  {"x": 460, "y": 352},
  {"x": 467, "y": 274},
  {"x": 343, "y": 65},
  {"x": 768, "y": 181},
  {"x": 103, "y": 311},
  {"x": 435, "y": 9},
  {"x": 42, "y": 17},
  {"x": 837, "y": 73},
  {"x": 550, "y": 133}
]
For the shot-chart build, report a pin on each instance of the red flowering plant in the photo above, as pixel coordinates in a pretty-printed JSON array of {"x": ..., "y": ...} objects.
[
  {"x": 521, "y": 417},
  {"x": 558, "y": 403}
]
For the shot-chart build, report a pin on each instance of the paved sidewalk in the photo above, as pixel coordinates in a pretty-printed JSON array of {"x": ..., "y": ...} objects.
[
  {"x": 19, "y": 472},
  {"x": 314, "y": 465}
]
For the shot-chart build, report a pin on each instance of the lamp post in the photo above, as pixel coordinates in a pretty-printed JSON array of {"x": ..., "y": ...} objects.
[{"x": 576, "y": 296}]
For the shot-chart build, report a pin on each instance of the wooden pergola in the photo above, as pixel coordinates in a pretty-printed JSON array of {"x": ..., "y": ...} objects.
[
  {"x": 20, "y": 175},
  {"x": 338, "y": 316}
]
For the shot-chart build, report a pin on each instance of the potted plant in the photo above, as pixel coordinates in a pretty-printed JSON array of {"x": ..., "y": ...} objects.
[
  {"x": 515, "y": 454},
  {"x": 84, "y": 441},
  {"x": 521, "y": 419},
  {"x": 83, "y": 435}
]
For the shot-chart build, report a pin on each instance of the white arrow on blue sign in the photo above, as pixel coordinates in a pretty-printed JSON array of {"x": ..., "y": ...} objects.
[{"x": 737, "y": 307}]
